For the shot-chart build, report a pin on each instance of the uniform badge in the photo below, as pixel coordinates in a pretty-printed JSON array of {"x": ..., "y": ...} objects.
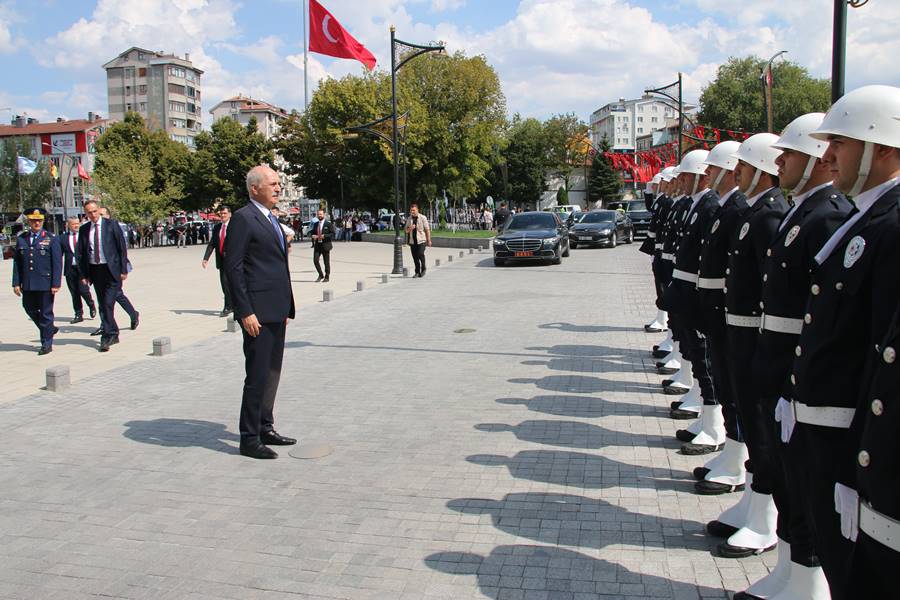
[
  {"x": 744, "y": 230},
  {"x": 715, "y": 226},
  {"x": 694, "y": 219},
  {"x": 791, "y": 235},
  {"x": 854, "y": 251}
]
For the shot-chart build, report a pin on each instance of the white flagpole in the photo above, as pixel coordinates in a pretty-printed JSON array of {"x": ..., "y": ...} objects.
[{"x": 304, "y": 8}]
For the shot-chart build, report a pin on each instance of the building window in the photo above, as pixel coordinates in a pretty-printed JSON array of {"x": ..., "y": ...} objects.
[
  {"x": 653, "y": 119},
  {"x": 640, "y": 130},
  {"x": 142, "y": 72},
  {"x": 655, "y": 108},
  {"x": 640, "y": 119},
  {"x": 127, "y": 90},
  {"x": 190, "y": 76},
  {"x": 190, "y": 92},
  {"x": 174, "y": 88},
  {"x": 142, "y": 56},
  {"x": 191, "y": 108},
  {"x": 178, "y": 123},
  {"x": 127, "y": 106},
  {"x": 176, "y": 107},
  {"x": 129, "y": 72},
  {"x": 142, "y": 107},
  {"x": 142, "y": 89},
  {"x": 177, "y": 72}
]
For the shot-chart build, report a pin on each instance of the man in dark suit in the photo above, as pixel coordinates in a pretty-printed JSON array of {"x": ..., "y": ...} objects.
[
  {"x": 37, "y": 272},
  {"x": 322, "y": 234},
  {"x": 81, "y": 293},
  {"x": 103, "y": 250},
  {"x": 217, "y": 245},
  {"x": 256, "y": 262}
]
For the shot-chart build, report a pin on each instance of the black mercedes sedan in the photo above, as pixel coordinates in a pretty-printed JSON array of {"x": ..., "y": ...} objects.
[
  {"x": 601, "y": 228},
  {"x": 531, "y": 236}
]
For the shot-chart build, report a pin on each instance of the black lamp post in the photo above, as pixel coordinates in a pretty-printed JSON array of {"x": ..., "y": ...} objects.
[
  {"x": 766, "y": 79},
  {"x": 839, "y": 45}
]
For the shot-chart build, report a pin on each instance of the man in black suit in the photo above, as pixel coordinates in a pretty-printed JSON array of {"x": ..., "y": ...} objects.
[
  {"x": 103, "y": 250},
  {"x": 217, "y": 245},
  {"x": 68, "y": 244},
  {"x": 256, "y": 262},
  {"x": 322, "y": 234}
]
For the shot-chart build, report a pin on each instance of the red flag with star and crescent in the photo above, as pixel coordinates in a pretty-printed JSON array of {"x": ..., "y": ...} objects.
[{"x": 327, "y": 36}]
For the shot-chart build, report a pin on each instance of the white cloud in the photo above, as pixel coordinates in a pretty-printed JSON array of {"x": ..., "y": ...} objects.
[
  {"x": 8, "y": 42},
  {"x": 446, "y": 5}
]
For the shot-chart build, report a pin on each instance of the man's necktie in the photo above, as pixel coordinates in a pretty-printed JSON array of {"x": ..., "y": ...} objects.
[
  {"x": 278, "y": 232},
  {"x": 222, "y": 238},
  {"x": 72, "y": 248},
  {"x": 97, "y": 243}
]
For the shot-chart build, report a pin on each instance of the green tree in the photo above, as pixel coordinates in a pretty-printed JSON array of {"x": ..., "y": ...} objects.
[
  {"x": 29, "y": 190},
  {"x": 566, "y": 137},
  {"x": 526, "y": 159},
  {"x": 605, "y": 182},
  {"x": 125, "y": 183},
  {"x": 224, "y": 155},
  {"x": 734, "y": 99}
]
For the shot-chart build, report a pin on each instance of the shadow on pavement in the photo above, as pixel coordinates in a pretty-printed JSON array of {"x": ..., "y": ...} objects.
[
  {"x": 14, "y": 347},
  {"x": 587, "y": 328},
  {"x": 572, "y": 520},
  {"x": 303, "y": 344},
  {"x": 182, "y": 433},
  {"x": 585, "y": 350},
  {"x": 583, "y": 364},
  {"x": 583, "y": 406},
  {"x": 196, "y": 311},
  {"x": 556, "y": 573},
  {"x": 580, "y": 384},
  {"x": 575, "y": 434},
  {"x": 582, "y": 470}
]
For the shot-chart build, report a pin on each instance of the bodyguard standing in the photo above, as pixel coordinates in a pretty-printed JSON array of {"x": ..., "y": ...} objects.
[
  {"x": 256, "y": 261},
  {"x": 322, "y": 234},
  {"x": 102, "y": 248},
  {"x": 37, "y": 274},
  {"x": 217, "y": 245},
  {"x": 81, "y": 293}
]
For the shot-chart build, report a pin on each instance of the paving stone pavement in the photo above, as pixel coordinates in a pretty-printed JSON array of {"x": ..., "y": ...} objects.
[{"x": 531, "y": 458}]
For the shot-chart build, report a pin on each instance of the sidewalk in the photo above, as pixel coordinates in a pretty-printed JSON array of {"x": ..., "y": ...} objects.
[{"x": 498, "y": 433}]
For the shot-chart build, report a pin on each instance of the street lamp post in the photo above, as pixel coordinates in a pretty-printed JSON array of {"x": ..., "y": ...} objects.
[
  {"x": 766, "y": 79},
  {"x": 839, "y": 45}
]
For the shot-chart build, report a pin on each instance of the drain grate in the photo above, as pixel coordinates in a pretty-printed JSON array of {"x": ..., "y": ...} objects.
[{"x": 464, "y": 330}]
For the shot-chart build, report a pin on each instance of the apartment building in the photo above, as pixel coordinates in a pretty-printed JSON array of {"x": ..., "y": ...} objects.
[
  {"x": 163, "y": 88},
  {"x": 624, "y": 121}
]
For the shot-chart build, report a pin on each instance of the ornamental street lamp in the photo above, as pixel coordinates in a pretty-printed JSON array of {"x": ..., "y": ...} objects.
[
  {"x": 839, "y": 45},
  {"x": 766, "y": 79}
]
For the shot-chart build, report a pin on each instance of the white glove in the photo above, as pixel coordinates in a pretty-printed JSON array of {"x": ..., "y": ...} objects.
[
  {"x": 846, "y": 503},
  {"x": 784, "y": 414}
]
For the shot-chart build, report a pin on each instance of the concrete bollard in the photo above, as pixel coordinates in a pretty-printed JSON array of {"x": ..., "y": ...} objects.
[
  {"x": 406, "y": 271},
  {"x": 231, "y": 325},
  {"x": 461, "y": 253},
  {"x": 360, "y": 285},
  {"x": 437, "y": 262},
  {"x": 327, "y": 295},
  {"x": 162, "y": 346},
  {"x": 385, "y": 278},
  {"x": 471, "y": 250},
  {"x": 57, "y": 378},
  {"x": 480, "y": 249},
  {"x": 450, "y": 259}
]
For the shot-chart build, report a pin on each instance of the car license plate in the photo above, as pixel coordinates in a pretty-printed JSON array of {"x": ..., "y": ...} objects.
[
  {"x": 524, "y": 253},
  {"x": 585, "y": 237}
]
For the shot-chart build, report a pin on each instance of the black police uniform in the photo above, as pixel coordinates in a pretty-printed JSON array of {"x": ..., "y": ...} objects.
[
  {"x": 786, "y": 279},
  {"x": 681, "y": 295},
  {"x": 851, "y": 304},
  {"x": 36, "y": 270},
  {"x": 751, "y": 239},
  {"x": 669, "y": 239},
  {"x": 663, "y": 206},
  {"x": 876, "y": 557},
  {"x": 711, "y": 302}
]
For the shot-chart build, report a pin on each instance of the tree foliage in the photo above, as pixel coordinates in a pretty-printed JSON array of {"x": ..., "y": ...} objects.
[
  {"x": 31, "y": 190},
  {"x": 605, "y": 183},
  {"x": 734, "y": 99},
  {"x": 526, "y": 159},
  {"x": 566, "y": 137}
]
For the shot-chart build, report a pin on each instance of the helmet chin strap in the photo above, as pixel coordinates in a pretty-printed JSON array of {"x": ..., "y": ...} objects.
[
  {"x": 755, "y": 181},
  {"x": 865, "y": 166},
  {"x": 696, "y": 183},
  {"x": 807, "y": 173},
  {"x": 719, "y": 179}
]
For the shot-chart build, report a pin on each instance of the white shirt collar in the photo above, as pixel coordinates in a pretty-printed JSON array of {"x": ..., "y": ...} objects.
[
  {"x": 265, "y": 211},
  {"x": 753, "y": 200},
  {"x": 798, "y": 200},
  {"x": 865, "y": 200},
  {"x": 727, "y": 195},
  {"x": 699, "y": 195}
]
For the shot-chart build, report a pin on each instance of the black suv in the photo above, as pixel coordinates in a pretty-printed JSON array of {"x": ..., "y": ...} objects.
[{"x": 636, "y": 210}]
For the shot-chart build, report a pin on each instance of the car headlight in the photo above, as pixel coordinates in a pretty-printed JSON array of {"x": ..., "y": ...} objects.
[
  {"x": 499, "y": 242},
  {"x": 550, "y": 241},
  {"x": 606, "y": 231}
]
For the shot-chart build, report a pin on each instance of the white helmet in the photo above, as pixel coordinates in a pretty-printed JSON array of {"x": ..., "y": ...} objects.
[
  {"x": 796, "y": 137},
  {"x": 667, "y": 174},
  {"x": 870, "y": 114},
  {"x": 723, "y": 155},
  {"x": 757, "y": 151},
  {"x": 694, "y": 162}
]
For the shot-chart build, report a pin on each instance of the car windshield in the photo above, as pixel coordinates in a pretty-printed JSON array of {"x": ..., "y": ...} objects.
[
  {"x": 599, "y": 217},
  {"x": 639, "y": 205},
  {"x": 532, "y": 221}
]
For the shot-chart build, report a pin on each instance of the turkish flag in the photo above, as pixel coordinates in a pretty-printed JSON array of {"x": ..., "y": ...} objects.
[
  {"x": 327, "y": 36},
  {"x": 82, "y": 173}
]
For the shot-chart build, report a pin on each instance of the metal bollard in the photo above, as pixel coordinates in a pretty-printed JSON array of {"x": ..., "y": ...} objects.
[
  {"x": 437, "y": 262},
  {"x": 471, "y": 250},
  {"x": 461, "y": 253},
  {"x": 162, "y": 346},
  {"x": 57, "y": 378},
  {"x": 231, "y": 325},
  {"x": 385, "y": 278},
  {"x": 360, "y": 285},
  {"x": 327, "y": 295},
  {"x": 406, "y": 271},
  {"x": 480, "y": 249},
  {"x": 450, "y": 259}
]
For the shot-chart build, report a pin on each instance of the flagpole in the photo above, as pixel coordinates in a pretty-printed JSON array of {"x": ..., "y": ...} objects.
[{"x": 305, "y": 10}]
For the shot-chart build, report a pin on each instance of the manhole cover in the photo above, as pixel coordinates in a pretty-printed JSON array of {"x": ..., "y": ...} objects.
[
  {"x": 310, "y": 451},
  {"x": 464, "y": 330}
]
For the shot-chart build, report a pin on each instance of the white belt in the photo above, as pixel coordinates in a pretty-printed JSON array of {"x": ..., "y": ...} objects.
[
  {"x": 685, "y": 276},
  {"x": 665, "y": 256},
  {"x": 711, "y": 284},
  {"x": 782, "y": 324},
  {"x": 651, "y": 235},
  {"x": 879, "y": 527},
  {"x": 741, "y": 321},
  {"x": 824, "y": 416}
]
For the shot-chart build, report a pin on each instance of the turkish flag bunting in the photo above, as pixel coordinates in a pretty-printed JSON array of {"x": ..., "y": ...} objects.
[
  {"x": 82, "y": 173},
  {"x": 327, "y": 36}
]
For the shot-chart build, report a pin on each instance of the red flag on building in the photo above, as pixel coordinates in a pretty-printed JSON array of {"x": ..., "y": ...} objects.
[
  {"x": 327, "y": 36},
  {"x": 82, "y": 173}
]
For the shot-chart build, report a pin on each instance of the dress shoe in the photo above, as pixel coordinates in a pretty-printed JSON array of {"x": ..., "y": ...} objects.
[
  {"x": 135, "y": 321},
  {"x": 726, "y": 550},
  {"x": 319, "y": 278},
  {"x": 660, "y": 353},
  {"x": 273, "y": 438},
  {"x": 683, "y": 435},
  {"x": 650, "y": 329},
  {"x": 714, "y": 488},
  {"x": 257, "y": 451},
  {"x": 683, "y": 415},
  {"x": 666, "y": 382},
  {"x": 699, "y": 449},
  {"x": 666, "y": 370},
  {"x": 700, "y": 473},
  {"x": 98, "y": 331},
  {"x": 422, "y": 274},
  {"x": 225, "y": 312},
  {"x": 45, "y": 350},
  {"x": 675, "y": 390},
  {"x": 77, "y": 319},
  {"x": 675, "y": 404},
  {"x": 720, "y": 530},
  {"x": 93, "y": 311},
  {"x": 55, "y": 330},
  {"x": 326, "y": 280},
  {"x": 106, "y": 342}
]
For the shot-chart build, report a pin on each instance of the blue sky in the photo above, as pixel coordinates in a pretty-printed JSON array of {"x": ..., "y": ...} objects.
[{"x": 552, "y": 56}]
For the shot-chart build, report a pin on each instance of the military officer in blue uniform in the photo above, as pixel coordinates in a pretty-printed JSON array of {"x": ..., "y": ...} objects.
[
  {"x": 37, "y": 275},
  {"x": 853, "y": 297}
]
